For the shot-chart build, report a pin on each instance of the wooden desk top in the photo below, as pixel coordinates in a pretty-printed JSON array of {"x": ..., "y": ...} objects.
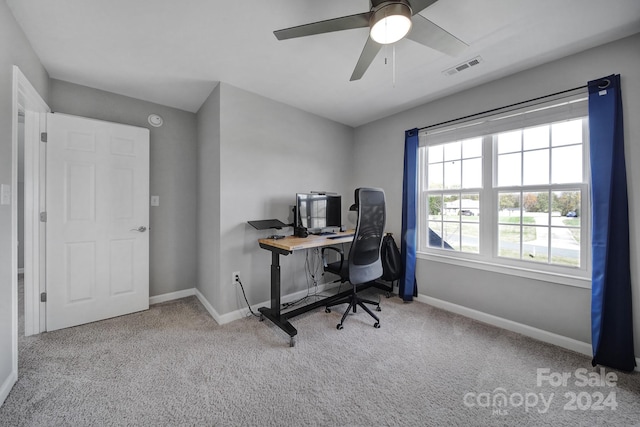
[{"x": 293, "y": 243}]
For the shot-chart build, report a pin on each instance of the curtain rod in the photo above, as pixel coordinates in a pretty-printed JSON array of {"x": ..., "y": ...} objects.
[{"x": 502, "y": 108}]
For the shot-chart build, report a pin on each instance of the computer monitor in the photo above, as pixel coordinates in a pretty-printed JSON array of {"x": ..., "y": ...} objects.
[{"x": 317, "y": 211}]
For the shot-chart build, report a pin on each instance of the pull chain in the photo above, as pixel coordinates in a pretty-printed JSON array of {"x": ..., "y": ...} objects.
[
  {"x": 394, "y": 64},
  {"x": 393, "y": 61}
]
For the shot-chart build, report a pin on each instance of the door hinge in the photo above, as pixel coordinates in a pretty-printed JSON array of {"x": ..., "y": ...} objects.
[
  {"x": 43, "y": 297},
  {"x": 43, "y": 217},
  {"x": 43, "y": 137}
]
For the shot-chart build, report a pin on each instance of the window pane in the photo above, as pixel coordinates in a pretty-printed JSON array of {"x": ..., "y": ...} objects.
[
  {"x": 565, "y": 230},
  {"x": 536, "y": 167},
  {"x": 435, "y": 154},
  {"x": 509, "y": 169},
  {"x": 566, "y": 208},
  {"x": 509, "y": 241},
  {"x": 509, "y": 142},
  {"x": 509, "y": 208},
  {"x": 472, "y": 173},
  {"x": 535, "y": 245},
  {"x": 435, "y": 235},
  {"x": 564, "y": 248},
  {"x": 565, "y": 133},
  {"x": 452, "y": 151},
  {"x": 472, "y": 148},
  {"x": 435, "y": 208},
  {"x": 435, "y": 177},
  {"x": 537, "y": 137},
  {"x": 566, "y": 164},
  {"x": 470, "y": 208},
  {"x": 452, "y": 234},
  {"x": 471, "y": 238},
  {"x": 535, "y": 208},
  {"x": 452, "y": 174},
  {"x": 451, "y": 206}
]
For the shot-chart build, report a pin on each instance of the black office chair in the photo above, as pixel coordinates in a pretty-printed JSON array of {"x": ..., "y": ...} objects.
[{"x": 364, "y": 264}]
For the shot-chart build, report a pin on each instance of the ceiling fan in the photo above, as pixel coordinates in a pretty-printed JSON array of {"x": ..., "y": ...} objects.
[{"x": 389, "y": 21}]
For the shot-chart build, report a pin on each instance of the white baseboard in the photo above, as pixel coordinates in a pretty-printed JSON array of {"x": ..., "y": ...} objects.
[
  {"x": 212, "y": 311},
  {"x": 243, "y": 312},
  {"x": 220, "y": 319},
  {"x": 510, "y": 325},
  {"x": 157, "y": 299},
  {"x": 7, "y": 385}
]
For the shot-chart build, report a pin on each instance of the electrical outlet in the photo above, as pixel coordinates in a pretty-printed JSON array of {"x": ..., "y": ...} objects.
[{"x": 235, "y": 277}]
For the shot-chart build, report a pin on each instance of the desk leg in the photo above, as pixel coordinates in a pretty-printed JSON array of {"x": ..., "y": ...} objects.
[
  {"x": 275, "y": 282},
  {"x": 273, "y": 313}
]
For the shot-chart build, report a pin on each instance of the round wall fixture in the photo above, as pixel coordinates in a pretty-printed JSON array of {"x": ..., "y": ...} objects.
[{"x": 155, "y": 120}]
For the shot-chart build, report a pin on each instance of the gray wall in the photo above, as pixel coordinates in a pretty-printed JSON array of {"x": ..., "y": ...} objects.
[
  {"x": 173, "y": 252},
  {"x": 266, "y": 152},
  {"x": 556, "y": 308},
  {"x": 14, "y": 50},
  {"x": 209, "y": 197}
]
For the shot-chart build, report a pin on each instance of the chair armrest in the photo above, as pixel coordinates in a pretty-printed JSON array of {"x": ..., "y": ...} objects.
[{"x": 331, "y": 248}]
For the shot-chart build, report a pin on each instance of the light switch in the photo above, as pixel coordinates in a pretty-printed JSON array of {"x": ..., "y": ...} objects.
[
  {"x": 5, "y": 194},
  {"x": 155, "y": 200}
]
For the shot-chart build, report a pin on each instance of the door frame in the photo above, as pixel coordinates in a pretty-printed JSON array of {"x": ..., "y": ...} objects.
[{"x": 27, "y": 100}]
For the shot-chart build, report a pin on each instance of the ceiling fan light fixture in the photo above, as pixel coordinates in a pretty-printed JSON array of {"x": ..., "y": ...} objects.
[{"x": 390, "y": 23}]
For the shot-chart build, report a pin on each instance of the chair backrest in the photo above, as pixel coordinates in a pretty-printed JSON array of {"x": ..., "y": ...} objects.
[{"x": 365, "y": 263}]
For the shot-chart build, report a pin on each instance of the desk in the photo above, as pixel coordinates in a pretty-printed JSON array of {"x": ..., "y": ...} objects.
[{"x": 287, "y": 246}]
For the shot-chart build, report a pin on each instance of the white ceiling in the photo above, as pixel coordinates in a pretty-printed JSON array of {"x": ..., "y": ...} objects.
[{"x": 174, "y": 52}]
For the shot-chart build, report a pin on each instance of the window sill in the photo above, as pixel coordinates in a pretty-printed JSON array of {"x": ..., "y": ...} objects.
[{"x": 530, "y": 273}]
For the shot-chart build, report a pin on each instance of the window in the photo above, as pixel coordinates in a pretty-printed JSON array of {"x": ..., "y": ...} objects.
[
  {"x": 509, "y": 191},
  {"x": 454, "y": 175}
]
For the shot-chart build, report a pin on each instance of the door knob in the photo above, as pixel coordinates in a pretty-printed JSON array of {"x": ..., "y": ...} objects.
[{"x": 141, "y": 229}]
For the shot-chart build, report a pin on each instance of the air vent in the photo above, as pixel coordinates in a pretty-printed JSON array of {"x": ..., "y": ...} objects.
[{"x": 464, "y": 66}]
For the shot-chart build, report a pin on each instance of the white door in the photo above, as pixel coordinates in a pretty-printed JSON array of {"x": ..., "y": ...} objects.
[{"x": 97, "y": 236}]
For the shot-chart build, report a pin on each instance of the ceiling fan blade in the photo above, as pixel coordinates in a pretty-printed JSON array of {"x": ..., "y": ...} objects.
[
  {"x": 359, "y": 20},
  {"x": 367, "y": 56},
  {"x": 418, "y": 6},
  {"x": 429, "y": 34}
]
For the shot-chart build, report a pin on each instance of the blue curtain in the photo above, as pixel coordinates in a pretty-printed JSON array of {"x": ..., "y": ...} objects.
[
  {"x": 611, "y": 312},
  {"x": 408, "y": 287}
]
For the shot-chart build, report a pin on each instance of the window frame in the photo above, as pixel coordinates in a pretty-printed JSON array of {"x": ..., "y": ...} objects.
[{"x": 488, "y": 259}]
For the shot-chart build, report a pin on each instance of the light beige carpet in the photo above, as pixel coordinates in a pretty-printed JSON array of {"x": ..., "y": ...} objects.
[{"x": 173, "y": 365}]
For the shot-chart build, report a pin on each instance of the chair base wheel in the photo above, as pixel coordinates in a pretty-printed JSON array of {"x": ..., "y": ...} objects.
[
  {"x": 292, "y": 342},
  {"x": 376, "y": 325},
  {"x": 339, "y": 326},
  {"x": 378, "y": 308},
  {"x": 327, "y": 310}
]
